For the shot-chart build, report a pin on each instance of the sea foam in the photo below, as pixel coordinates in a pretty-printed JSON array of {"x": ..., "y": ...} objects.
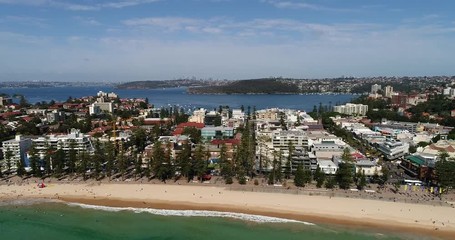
[{"x": 193, "y": 213}]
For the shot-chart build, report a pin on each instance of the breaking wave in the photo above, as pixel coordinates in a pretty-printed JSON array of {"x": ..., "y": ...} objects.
[{"x": 193, "y": 213}]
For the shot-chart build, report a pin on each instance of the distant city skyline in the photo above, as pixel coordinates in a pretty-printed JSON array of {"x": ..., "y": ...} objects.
[{"x": 134, "y": 40}]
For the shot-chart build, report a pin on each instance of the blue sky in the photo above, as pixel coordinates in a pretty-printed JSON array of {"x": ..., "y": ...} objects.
[{"x": 128, "y": 40}]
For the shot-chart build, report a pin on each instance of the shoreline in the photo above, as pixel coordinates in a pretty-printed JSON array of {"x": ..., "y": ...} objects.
[{"x": 351, "y": 213}]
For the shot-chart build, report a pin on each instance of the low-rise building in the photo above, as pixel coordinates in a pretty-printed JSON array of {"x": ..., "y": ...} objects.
[
  {"x": 327, "y": 166},
  {"x": 210, "y": 133},
  {"x": 392, "y": 149},
  {"x": 368, "y": 167}
]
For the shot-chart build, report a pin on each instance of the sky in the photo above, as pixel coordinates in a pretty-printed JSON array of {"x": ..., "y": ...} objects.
[{"x": 134, "y": 40}]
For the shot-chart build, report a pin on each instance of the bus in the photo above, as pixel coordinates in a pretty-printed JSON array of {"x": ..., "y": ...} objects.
[{"x": 412, "y": 182}]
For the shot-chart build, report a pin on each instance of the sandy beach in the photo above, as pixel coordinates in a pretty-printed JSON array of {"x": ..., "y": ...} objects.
[{"x": 431, "y": 220}]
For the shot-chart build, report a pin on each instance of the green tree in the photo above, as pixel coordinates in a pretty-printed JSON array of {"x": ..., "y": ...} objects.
[
  {"x": 193, "y": 133},
  {"x": 109, "y": 152},
  {"x": 20, "y": 170},
  {"x": 34, "y": 161},
  {"x": 48, "y": 158},
  {"x": 59, "y": 160},
  {"x": 330, "y": 183},
  {"x": 226, "y": 167},
  {"x": 319, "y": 176},
  {"x": 241, "y": 177},
  {"x": 307, "y": 176},
  {"x": 121, "y": 162},
  {"x": 72, "y": 156},
  {"x": 139, "y": 138},
  {"x": 98, "y": 157},
  {"x": 443, "y": 155},
  {"x": 23, "y": 102},
  {"x": 361, "y": 181},
  {"x": 445, "y": 170},
  {"x": 83, "y": 158},
  {"x": 346, "y": 156},
  {"x": 299, "y": 179},
  {"x": 344, "y": 175},
  {"x": 138, "y": 166},
  {"x": 161, "y": 162},
  {"x": 199, "y": 162},
  {"x": 184, "y": 161},
  {"x": 8, "y": 159},
  {"x": 288, "y": 167}
]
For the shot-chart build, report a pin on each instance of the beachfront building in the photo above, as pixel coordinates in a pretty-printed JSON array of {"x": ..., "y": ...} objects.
[
  {"x": 392, "y": 149},
  {"x": 327, "y": 166},
  {"x": 419, "y": 167},
  {"x": 282, "y": 139},
  {"x": 326, "y": 149},
  {"x": 302, "y": 156},
  {"x": 210, "y": 133},
  {"x": 75, "y": 139},
  {"x": 368, "y": 167},
  {"x": 17, "y": 147},
  {"x": 351, "y": 109}
]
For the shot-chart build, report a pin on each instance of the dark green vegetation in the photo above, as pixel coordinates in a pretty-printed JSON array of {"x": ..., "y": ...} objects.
[{"x": 335, "y": 85}]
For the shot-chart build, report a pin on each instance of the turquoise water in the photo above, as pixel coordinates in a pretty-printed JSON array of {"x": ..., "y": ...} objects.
[{"x": 60, "y": 221}]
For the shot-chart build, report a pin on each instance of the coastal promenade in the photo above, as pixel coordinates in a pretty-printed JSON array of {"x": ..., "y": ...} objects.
[{"x": 347, "y": 209}]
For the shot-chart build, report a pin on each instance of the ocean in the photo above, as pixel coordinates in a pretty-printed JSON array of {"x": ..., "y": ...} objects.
[
  {"x": 179, "y": 97},
  {"x": 45, "y": 220}
]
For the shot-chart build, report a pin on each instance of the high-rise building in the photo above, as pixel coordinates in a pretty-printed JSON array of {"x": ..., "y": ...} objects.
[
  {"x": 17, "y": 147},
  {"x": 388, "y": 91},
  {"x": 375, "y": 88}
]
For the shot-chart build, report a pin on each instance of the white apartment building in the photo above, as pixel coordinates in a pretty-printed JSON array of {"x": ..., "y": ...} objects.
[
  {"x": 449, "y": 92},
  {"x": 238, "y": 114},
  {"x": 388, "y": 91},
  {"x": 100, "y": 107},
  {"x": 82, "y": 142},
  {"x": 393, "y": 149},
  {"x": 375, "y": 88},
  {"x": 18, "y": 147},
  {"x": 351, "y": 109},
  {"x": 198, "y": 116},
  {"x": 282, "y": 139}
]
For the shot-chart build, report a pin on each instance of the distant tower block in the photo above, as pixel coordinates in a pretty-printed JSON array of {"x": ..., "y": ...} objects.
[
  {"x": 375, "y": 88},
  {"x": 388, "y": 91}
]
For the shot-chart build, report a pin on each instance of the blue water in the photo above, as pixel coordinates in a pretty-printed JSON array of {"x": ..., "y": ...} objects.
[{"x": 179, "y": 96}]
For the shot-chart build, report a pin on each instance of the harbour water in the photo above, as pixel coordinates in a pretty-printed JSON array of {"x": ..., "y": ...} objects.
[
  {"x": 62, "y": 221},
  {"x": 179, "y": 97}
]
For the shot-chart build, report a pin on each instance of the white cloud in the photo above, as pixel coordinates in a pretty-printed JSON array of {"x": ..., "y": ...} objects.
[
  {"x": 25, "y": 20},
  {"x": 67, "y": 5},
  {"x": 172, "y": 23},
  {"x": 292, "y": 4},
  {"x": 87, "y": 21}
]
